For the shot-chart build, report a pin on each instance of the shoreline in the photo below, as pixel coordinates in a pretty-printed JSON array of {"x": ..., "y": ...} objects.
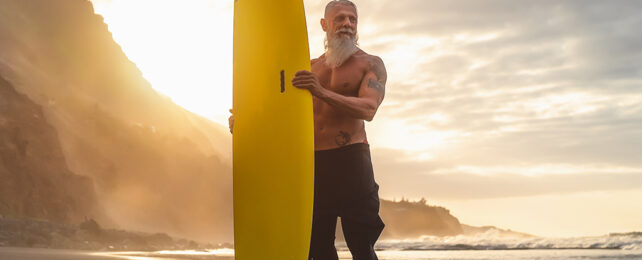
[
  {"x": 21, "y": 253},
  {"x": 89, "y": 235}
]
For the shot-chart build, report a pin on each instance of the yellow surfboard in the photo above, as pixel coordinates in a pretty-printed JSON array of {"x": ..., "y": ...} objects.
[{"x": 273, "y": 140}]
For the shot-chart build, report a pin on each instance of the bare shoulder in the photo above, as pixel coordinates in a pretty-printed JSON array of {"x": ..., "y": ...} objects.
[
  {"x": 375, "y": 60},
  {"x": 375, "y": 64},
  {"x": 316, "y": 60}
]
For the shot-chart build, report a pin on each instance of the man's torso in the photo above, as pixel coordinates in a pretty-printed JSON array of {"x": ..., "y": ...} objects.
[{"x": 333, "y": 128}]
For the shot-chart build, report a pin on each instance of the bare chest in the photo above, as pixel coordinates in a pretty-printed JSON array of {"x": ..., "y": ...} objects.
[{"x": 344, "y": 80}]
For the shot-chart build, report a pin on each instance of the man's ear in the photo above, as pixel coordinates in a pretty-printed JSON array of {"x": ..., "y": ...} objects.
[{"x": 324, "y": 25}]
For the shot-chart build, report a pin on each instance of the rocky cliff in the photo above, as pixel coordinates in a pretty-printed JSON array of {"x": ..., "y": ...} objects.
[
  {"x": 155, "y": 166},
  {"x": 35, "y": 180},
  {"x": 413, "y": 219}
]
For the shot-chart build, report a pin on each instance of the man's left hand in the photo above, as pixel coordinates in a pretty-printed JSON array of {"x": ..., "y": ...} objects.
[{"x": 304, "y": 79}]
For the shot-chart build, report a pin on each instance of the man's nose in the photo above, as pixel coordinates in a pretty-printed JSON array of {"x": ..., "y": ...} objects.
[{"x": 347, "y": 23}]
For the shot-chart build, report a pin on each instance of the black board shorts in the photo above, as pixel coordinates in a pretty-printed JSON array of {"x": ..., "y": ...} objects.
[{"x": 344, "y": 186}]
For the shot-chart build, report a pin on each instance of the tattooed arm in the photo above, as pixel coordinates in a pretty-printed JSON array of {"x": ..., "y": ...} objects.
[
  {"x": 373, "y": 86},
  {"x": 365, "y": 105}
]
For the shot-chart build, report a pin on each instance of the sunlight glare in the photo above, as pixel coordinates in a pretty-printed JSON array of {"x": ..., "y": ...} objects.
[{"x": 183, "y": 48}]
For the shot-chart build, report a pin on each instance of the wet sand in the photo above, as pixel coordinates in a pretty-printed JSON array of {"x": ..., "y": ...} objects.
[{"x": 19, "y": 253}]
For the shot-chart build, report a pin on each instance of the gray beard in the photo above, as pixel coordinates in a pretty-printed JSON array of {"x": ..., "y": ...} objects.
[{"x": 339, "y": 49}]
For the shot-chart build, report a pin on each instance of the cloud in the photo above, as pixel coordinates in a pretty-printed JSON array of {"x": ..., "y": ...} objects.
[
  {"x": 443, "y": 180},
  {"x": 507, "y": 84}
]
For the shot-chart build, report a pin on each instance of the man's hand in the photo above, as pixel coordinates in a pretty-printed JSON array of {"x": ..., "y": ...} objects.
[
  {"x": 231, "y": 121},
  {"x": 304, "y": 79}
]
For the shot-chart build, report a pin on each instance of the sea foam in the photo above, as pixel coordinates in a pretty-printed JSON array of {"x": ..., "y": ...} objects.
[{"x": 493, "y": 240}]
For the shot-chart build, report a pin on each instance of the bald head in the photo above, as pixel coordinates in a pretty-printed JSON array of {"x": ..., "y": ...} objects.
[{"x": 333, "y": 3}]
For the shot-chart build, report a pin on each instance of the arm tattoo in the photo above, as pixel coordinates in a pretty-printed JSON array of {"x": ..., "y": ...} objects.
[
  {"x": 342, "y": 139},
  {"x": 376, "y": 66},
  {"x": 375, "y": 84}
]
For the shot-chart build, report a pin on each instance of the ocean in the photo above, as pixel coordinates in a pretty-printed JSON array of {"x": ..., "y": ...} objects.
[
  {"x": 487, "y": 245},
  {"x": 493, "y": 245}
]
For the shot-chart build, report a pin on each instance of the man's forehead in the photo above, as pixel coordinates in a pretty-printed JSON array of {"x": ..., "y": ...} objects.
[{"x": 341, "y": 8}]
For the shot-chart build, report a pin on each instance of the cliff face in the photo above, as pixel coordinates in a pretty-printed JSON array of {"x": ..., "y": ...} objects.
[
  {"x": 35, "y": 180},
  {"x": 406, "y": 219},
  {"x": 155, "y": 166}
]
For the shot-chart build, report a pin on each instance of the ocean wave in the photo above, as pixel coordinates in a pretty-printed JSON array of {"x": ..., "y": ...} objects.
[{"x": 493, "y": 240}]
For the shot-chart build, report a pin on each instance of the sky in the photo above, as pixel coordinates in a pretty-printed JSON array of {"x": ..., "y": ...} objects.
[{"x": 525, "y": 115}]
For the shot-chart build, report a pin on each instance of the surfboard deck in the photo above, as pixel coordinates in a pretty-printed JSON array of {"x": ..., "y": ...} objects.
[{"x": 273, "y": 140}]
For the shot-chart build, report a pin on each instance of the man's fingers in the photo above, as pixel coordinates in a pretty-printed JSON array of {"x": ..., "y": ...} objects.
[
  {"x": 306, "y": 80},
  {"x": 302, "y": 72},
  {"x": 303, "y": 83},
  {"x": 303, "y": 77}
]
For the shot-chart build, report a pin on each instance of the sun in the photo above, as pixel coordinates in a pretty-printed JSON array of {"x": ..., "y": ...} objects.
[{"x": 183, "y": 48}]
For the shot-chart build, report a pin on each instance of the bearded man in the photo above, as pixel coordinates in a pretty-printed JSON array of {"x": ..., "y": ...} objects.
[{"x": 347, "y": 86}]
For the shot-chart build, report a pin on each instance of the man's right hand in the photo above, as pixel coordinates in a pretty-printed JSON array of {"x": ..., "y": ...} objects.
[{"x": 231, "y": 121}]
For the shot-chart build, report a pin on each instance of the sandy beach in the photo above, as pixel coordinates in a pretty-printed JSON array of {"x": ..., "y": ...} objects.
[
  {"x": 14, "y": 253},
  {"x": 21, "y": 253}
]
